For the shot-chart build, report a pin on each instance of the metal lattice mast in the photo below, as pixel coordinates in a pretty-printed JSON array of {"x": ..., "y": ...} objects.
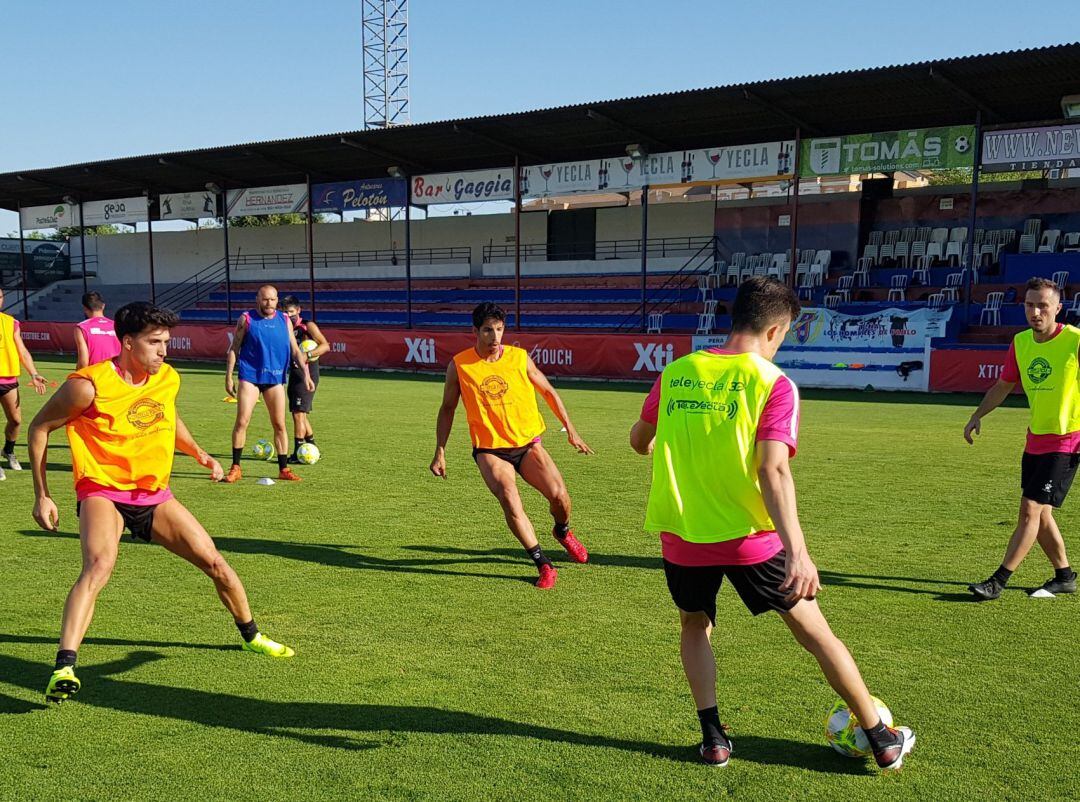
[{"x": 386, "y": 63}]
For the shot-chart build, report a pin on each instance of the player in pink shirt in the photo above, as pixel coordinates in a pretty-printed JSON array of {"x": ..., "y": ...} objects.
[
  {"x": 95, "y": 337},
  {"x": 13, "y": 357}
]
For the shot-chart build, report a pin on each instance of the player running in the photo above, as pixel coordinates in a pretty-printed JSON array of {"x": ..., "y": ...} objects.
[
  {"x": 13, "y": 353},
  {"x": 300, "y": 398},
  {"x": 123, "y": 429},
  {"x": 264, "y": 344},
  {"x": 498, "y": 385},
  {"x": 1044, "y": 359},
  {"x": 721, "y": 426},
  {"x": 95, "y": 337}
]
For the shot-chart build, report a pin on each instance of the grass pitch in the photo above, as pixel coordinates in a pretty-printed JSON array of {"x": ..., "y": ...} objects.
[{"x": 428, "y": 667}]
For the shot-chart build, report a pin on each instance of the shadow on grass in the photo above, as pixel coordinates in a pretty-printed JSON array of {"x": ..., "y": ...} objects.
[
  {"x": 101, "y": 688},
  {"x": 505, "y": 555},
  {"x": 141, "y": 644},
  {"x": 10, "y": 706}
]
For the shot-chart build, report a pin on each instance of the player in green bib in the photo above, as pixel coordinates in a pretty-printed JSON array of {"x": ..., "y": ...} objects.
[
  {"x": 721, "y": 426},
  {"x": 1043, "y": 358}
]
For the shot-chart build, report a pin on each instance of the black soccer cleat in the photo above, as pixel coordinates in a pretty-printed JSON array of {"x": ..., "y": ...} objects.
[
  {"x": 1057, "y": 586},
  {"x": 891, "y": 757},
  {"x": 988, "y": 590},
  {"x": 717, "y": 754}
]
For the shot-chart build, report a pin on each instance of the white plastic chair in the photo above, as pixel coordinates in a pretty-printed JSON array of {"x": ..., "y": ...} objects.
[
  {"x": 991, "y": 311},
  {"x": 843, "y": 287},
  {"x": 1061, "y": 278},
  {"x": 704, "y": 285},
  {"x": 706, "y": 323},
  {"x": 656, "y": 323},
  {"x": 710, "y": 307},
  {"x": 939, "y": 235},
  {"x": 1027, "y": 243},
  {"x": 936, "y": 300},
  {"x": 898, "y": 288},
  {"x": 954, "y": 282},
  {"x": 901, "y": 252},
  {"x": 832, "y": 300},
  {"x": 875, "y": 238},
  {"x": 1049, "y": 241},
  {"x": 1033, "y": 226},
  {"x": 1071, "y": 242},
  {"x": 870, "y": 255},
  {"x": 953, "y": 250}
]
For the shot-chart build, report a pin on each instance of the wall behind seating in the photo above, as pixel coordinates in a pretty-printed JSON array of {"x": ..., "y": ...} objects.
[
  {"x": 997, "y": 208},
  {"x": 825, "y": 223}
]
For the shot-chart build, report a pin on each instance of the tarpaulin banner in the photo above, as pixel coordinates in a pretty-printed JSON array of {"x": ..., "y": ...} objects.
[
  {"x": 919, "y": 149},
  {"x": 187, "y": 205},
  {"x": 888, "y": 328},
  {"x": 966, "y": 370},
  {"x": 56, "y": 215},
  {"x": 287, "y": 199},
  {"x": 475, "y": 185},
  {"x": 119, "y": 210},
  {"x": 345, "y": 196},
  {"x": 1050, "y": 148}
]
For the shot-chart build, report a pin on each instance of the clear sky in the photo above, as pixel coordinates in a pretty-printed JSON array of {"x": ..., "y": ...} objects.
[{"x": 85, "y": 81}]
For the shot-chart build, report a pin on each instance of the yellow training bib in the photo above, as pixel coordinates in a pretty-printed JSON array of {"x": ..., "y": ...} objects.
[
  {"x": 500, "y": 401},
  {"x": 1049, "y": 374}
]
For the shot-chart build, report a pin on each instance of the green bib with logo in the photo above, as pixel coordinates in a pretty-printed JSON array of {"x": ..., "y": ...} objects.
[
  {"x": 704, "y": 485},
  {"x": 1049, "y": 374}
]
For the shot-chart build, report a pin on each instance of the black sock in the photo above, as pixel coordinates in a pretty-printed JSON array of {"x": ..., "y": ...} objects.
[
  {"x": 65, "y": 657},
  {"x": 1064, "y": 574},
  {"x": 536, "y": 553},
  {"x": 1001, "y": 575},
  {"x": 712, "y": 731},
  {"x": 297, "y": 442},
  {"x": 236, "y": 453},
  {"x": 9, "y": 446},
  {"x": 282, "y": 461},
  {"x": 561, "y": 530},
  {"x": 310, "y": 439},
  {"x": 880, "y": 737},
  {"x": 248, "y": 631}
]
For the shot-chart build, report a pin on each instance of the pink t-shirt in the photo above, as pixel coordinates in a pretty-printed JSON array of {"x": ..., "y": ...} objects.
[
  {"x": 100, "y": 335},
  {"x": 10, "y": 379},
  {"x": 1068, "y": 443},
  {"x": 779, "y": 421}
]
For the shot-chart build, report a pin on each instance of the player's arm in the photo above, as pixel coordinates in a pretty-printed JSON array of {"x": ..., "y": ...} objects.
[
  {"x": 299, "y": 357},
  {"x": 320, "y": 340},
  {"x": 82, "y": 350},
  {"x": 642, "y": 437},
  {"x": 445, "y": 421},
  {"x": 994, "y": 398},
  {"x": 28, "y": 363},
  {"x": 233, "y": 354},
  {"x": 186, "y": 444},
  {"x": 778, "y": 490},
  {"x": 552, "y": 399},
  {"x": 70, "y": 401}
]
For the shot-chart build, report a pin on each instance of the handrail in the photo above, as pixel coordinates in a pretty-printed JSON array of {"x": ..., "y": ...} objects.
[
  {"x": 326, "y": 259},
  {"x": 679, "y": 280},
  {"x": 598, "y": 250},
  {"x": 194, "y": 288}
]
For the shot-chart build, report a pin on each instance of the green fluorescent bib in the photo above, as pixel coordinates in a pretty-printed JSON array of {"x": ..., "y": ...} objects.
[
  {"x": 704, "y": 485},
  {"x": 1049, "y": 374}
]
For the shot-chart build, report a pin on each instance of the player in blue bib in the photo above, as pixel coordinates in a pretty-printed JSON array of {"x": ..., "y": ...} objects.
[{"x": 264, "y": 346}]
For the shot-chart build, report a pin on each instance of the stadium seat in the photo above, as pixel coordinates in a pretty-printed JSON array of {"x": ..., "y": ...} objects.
[
  {"x": 936, "y": 300},
  {"x": 1061, "y": 278},
  {"x": 1071, "y": 242},
  {"x": 1033, "y": 227},
  {"x": 706, "y": 323},
  {"x": 954, "y": 282},
  {"x": 705, "y": 287},
  {"x": 1027, "y": 243},
  {"x": 934, "y": 253},
  {"x": 843, "y": 288},
  {"x": 991, "y": 311},
  {"x": 901, "y": 252},
  {"x": 898, "y": 288},
  {"x": 1073, "y": 312},
  {"x": 939, "y": 235},
  {"x": 870, "y": 256},
  {"x": 875, "y": 238},
  {"x": 1049, "y": 241},
  {"x": 656, "y": 323}
]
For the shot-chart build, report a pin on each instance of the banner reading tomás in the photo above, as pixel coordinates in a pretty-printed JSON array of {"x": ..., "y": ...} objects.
[
  {"x": 920, "y": 149},
  {"x": 286, "y": 199},
  {"x": 1051, "y": 148},
  {"x": 344, "y": 196}
]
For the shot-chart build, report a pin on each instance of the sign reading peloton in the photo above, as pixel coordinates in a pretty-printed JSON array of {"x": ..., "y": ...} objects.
[
  {"x": 287, "y": 199},
  {"x": 121, "y": 210},
  {"x": 1052, "y": 148},
  {"x": 346, "y": 196},
  {"x": 921, "y": 149}
]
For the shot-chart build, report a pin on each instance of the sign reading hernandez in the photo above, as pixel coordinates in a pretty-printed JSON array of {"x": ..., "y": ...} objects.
[
  {"x": 920, "y": 149},
  {"x": 120, "y": 210},
  {"x": 286, "y": 199},
  {"x": 187, "y": 205},
  {"x": 55, "y": 216},
  {"x": 346, "y": 196},
  {"x": 1053, "y": 147}
]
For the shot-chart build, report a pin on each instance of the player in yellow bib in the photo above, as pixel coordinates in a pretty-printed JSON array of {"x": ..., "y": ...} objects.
[
  {"x": 1043, "y": 358},
  {"x": 721, "y": 426},
  {"x": 498, "y": 385},
  {"x": 123, "y": 430},
  {"x": 13, "y": 357}
]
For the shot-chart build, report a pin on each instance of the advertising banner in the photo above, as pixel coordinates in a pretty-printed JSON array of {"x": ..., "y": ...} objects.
[
  {"x": 286, "y": 199},
  {"x": 187, "y": 205},
  {"x": 920, "y": 149},
  {"x": 966, "y": 370},
  {"x": 345, "y": 196},
  {"x": 57, "y": 215},
  {"x": 476, "y": 185},
  {"x": 121, "y": 210},
  {"x": 1051, "y": 148}
]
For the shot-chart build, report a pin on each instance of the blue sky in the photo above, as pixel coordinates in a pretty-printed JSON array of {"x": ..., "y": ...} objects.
[{"x": 85, "y": 81}]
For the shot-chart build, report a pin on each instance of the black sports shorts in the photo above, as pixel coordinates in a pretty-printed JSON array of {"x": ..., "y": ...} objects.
[
  {"x": 512, "y": 455},
  {"x": 138, "y": 518},
  {"x": 299, "y": 397},
  {"x": 694, "y": 587},
  {"x": 1046, "y": 478},
  {"x": 7, "y": 387}
]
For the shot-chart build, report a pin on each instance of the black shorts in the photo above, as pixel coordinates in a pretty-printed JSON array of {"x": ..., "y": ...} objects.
[
  {"x": 7, "y": 387},
  {"x": 138, "y": 518},
  {"x": 299, "y": 397},
  {"x": 1046, "y": 478},
  {"x": 512, "y": 455},
  {"x": 264, "y": 387},
  {"x": 694, "y": 588}
]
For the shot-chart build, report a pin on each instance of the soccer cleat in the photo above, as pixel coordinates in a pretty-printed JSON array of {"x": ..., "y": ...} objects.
[
  {"x": 293, "y": 460},
  {"x": 988, "y": 590},
  {"x": 287, "y": 475},
  {"x": 892, "y": 757},
  {"x": 717, "y": 754},
  {"x": 3, "y": 475},
  {"x": 574, "y": 547},
  {"x": 63, "y": 684},
  {"x": 1057, "y": 586},
  {"x": 547, "y": 577},
  {"x": 234, "y": 475},
  {"x": 12, "y": 462},
  {"x": 261, "y": 644}
]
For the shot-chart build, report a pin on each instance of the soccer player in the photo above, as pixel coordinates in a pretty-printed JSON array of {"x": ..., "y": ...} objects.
[
  {"x": 498, "y": 385},
  {"x": 264, "y": 344},
  {"x": 123, "y": 430},
  {"x": 300, "y": 398},
  {"x": 721, "y": 425},
  {"x": 95, "y": 337},
  {"x": 13, "y": 353},
  {"x": 1044, "y": 359}
]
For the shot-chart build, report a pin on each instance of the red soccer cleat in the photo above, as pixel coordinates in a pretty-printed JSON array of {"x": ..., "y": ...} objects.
[
  {"x": 574, "y": 547},
  {"x": 233, "y": 475},
  {"x": 547, "y": 577},
  {"x": 287, "y": 475}
]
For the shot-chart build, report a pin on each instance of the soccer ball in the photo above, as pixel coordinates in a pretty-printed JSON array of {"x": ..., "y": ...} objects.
[
  {"x": 307, "y": 346},
  {"x": 843, "y": 732},
  {"x": 263, "y": 449},
  {"x": 308, "y": 453},
  {"x": 961, "y": 144}
]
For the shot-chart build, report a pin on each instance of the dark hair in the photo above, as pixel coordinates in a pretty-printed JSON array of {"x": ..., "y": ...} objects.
[
  {"x": 93, "y": 301},
  {"x": 1036, "y": 283},
  {"x": 289, "y": 300},
  {"x": 486, "y": 311},
  {"x": 761, "y": 302},
  {"x": 137, "y": 317}
]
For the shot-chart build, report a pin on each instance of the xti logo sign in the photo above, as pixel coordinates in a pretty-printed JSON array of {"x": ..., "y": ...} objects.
[
  {"x": 653, "y": 356},
  {"x": 421, "y": 349},
  {"x": 991, "y": 371}
]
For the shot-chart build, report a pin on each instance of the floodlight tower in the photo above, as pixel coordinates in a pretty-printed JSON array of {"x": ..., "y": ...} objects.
[{"x": 386, "y": 63}]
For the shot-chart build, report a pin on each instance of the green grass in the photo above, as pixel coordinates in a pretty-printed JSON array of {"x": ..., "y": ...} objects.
[{"x": 428, "y": 667}]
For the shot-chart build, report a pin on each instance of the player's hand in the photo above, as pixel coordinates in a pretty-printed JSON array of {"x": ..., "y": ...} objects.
[
  {"x": 574, "y": 439},
  {"x": 39, "y": 383},
  {"x": 309, "y": 384},
  {"x": 46, "y": 514},
  {"x": 801, "y": 577},
  {"x": 229, "y": 388},
  {"x": 438, "y": 465},
  {"x": 973, "y": 427},
  {"x": 217, "y": 473}
]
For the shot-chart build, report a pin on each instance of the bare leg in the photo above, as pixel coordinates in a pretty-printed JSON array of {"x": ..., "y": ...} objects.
[
  {"x": 502, "y": 482},
  {"x": 246, "y": 396},
  {"x": 12, "y": 414},
  {"x": 699, "y": 663},
  {"x": 540, "y": 471},
  {"x": 177, "y": 530},
  {"x": 812, "y": 631},
  {"x": 100, "y": 528},
  {"x": 276, "y": 404},
  {"x": 1050, "y": 539},
  {"x": 301, "y": 425},
  {"x": 1025, "y": 534}
]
